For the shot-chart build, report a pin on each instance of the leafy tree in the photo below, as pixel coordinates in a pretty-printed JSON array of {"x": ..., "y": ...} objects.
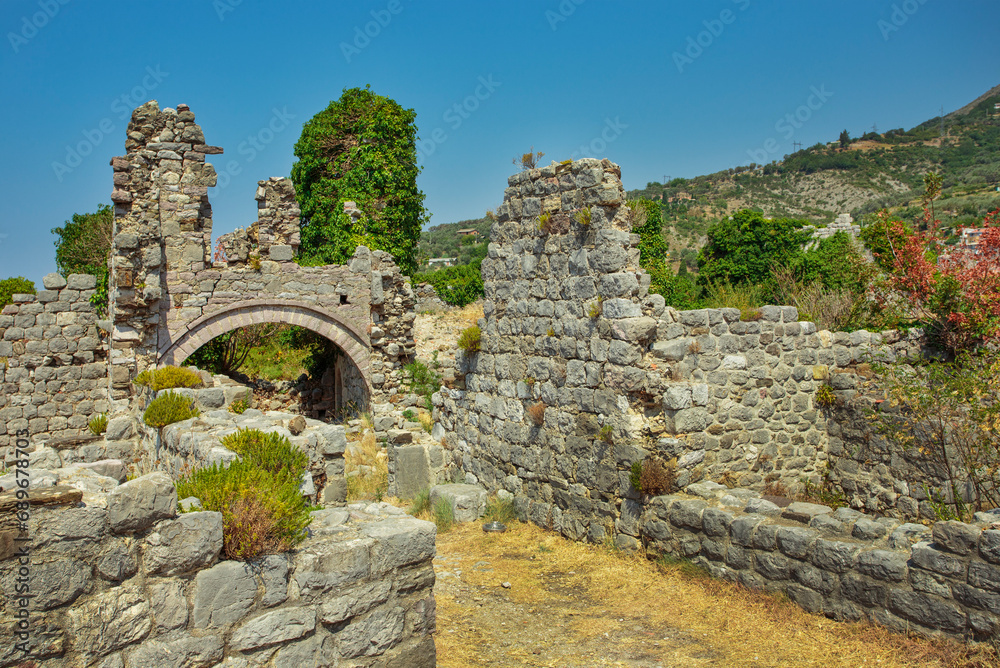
[
  {"x": 746, "y": 247},
  {"x": 361, "y": 148},
  {"x": 883, "y": 237},
  {"x": 836, "y": 262},
  {"x": 13, "y": 286},
  {"x": 845, "y": 139},
  {"x": 83, "y": 247},
  {"x": 654, "y": 251},
  {"x": 457, "y": 286}
]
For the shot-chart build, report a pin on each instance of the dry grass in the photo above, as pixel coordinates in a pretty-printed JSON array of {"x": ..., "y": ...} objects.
[
  {"x": 373, "y": 482},
  {"x": 577, "y": 605}
]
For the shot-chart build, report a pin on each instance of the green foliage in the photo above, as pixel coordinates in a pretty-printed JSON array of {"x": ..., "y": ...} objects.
[
  {"x": 167, "y": 408},
  {"x": 825, "y": 396},
  {"x": 14, "y": 286},
  {"x": 500, "y": 510},
  {"x": 231, "y": 351},
  {"x": 423, "y": 380},
  {"x": 606, "y": 434},
  {"x": 269, "y": 451},
  {"x": 262, "y": 508},
  {"x": 361, "y": 148},
  {"x": 654, "y": 251},
  {"x": 98, "y": 424},
  {"x": 239, "y": 406},
  {"x": 444, "y": 241},
  {"x": 83, "y": 247},
  {"x": 582, "y": 217},
  {"x": 409, "y": 415},
  {"x": 167, "y": 377},
  {"x": 469, "y": 339},
  {"x": 595, "y": 309},
  {"x": 421, "y": 503},
  {"x": 635, "y": 475},
  {"x": 948, "y": 414},
  {"x": 444, "y": 516},
  {"x": 747, "y": 297},
  {"x": 745, "y": 248},
  {"x": 457, "y": 286}
]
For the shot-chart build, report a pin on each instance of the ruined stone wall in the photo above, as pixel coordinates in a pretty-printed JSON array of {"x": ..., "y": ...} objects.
[
  {"x": 125, "y": 580},
  {"x": 53, "y": 361},
  {"x": 581, "y": 373},
  {"x": 163, "y": 220},
  {"x": 907, "y": 577},
  {"x": 164, "y": 283}
]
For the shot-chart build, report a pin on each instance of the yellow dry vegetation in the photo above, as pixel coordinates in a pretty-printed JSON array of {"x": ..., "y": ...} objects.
[{"x": 571, "y": 604}]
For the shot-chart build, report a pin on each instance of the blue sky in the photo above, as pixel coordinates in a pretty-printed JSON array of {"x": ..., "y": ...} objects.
[{"x": 663, "y": 89}]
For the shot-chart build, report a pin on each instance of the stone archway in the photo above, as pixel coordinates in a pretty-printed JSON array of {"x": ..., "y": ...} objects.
[{"x": 257, "y": 311}]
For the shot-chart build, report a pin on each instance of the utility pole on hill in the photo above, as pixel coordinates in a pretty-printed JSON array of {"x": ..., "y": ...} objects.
[
  {"x": 942, "y": 121},
  {"x": 796, "y": 146}
]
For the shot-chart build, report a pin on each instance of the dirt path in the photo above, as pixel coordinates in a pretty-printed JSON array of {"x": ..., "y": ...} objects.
[{"x": 531, "y": 598}]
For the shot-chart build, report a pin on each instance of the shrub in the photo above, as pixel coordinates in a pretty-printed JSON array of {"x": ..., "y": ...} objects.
[
  {"x": 421, "y": 503},
  {"x": 500, "y": 510},
  {"x": 606, "y": 434},
  {"x": 655, "y": 477},
  {"x": 469, "y": 339},
  {"x": 409, "y": 415},
  {"x": 168, "y": 377},
  {"x": 12, "y": 286},
  {"x": 239, "y": 406},
  {"x": 543, "y": 222},
  {"x": 537, "y": 413},
  {"x": 444, "y": 516},
  {"x": 423, "y": 381},
  {"x": 825, "y": 396},
  {"x": 947, "y": 413},
  {"x": 168, "y": 408},
  {"x": 458, "y": 286},
  {"x": 747, "y": 297},
  {"x": 269, "y": 451},
  {"x": 262, "y": 512},
  {"x": 582, "y": 217},
  {"x": 595, "y": 309},
  {"x": 98, "y": 424}
]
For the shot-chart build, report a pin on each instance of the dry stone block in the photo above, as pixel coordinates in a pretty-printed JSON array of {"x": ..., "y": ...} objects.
[
  {"x": 109, "y": 621},
  {"x": 190, "y": 542},
  {"x": 139, "y": 503},
  {"x": 468, "y": 502},
  {"x": 223, "y": 594},
  {"x": 177, "y": 650},
  {"x": 275, "y": 627}
]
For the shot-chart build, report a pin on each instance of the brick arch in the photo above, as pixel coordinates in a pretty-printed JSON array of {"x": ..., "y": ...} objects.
[{"x": 256, "y": 311}]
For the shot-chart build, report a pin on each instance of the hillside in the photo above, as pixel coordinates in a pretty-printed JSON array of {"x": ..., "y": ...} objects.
[
  {"x": 858, "y": 176},
  {"x": 445, "y": 241}
]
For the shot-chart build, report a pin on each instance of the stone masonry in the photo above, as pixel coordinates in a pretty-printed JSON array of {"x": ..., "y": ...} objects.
[
  {"x": 125, "y": 580},
  {"x": 53, "y": 360},
  {"x": 581, "y": 372}
]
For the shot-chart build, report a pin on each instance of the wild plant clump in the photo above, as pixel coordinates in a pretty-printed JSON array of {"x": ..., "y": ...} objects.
[
  {"x": 168, "y": 377},
  {"x": 469, "y": 339},
  {"x": 98, "y": 424},
  {"x": 263, "y": 510},
  {"x": 239, "y": 406},
  {"x": 168, "y": 408},
  {"x": 269, "y": 451},
  {"x": 825, "y": 396},
  {"x": 653, "y": 476},
  {"x": 536, "y": 412}
]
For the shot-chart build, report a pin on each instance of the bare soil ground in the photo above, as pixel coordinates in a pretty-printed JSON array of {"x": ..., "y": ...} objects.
[
  {"x": 570, "y": 604},
  {"x": 532, "y": 598}
]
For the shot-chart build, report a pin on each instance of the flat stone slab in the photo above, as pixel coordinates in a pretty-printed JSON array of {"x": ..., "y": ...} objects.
[
  {"x": 800, "y": 511},
  {"x": 468, "y": 502}
]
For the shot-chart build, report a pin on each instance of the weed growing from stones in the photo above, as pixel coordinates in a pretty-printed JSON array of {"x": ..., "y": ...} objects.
[
  {"x": 537, "y": 413},
  {"x": 470, "y": 339},
  {"x": 98, "y": 424}
]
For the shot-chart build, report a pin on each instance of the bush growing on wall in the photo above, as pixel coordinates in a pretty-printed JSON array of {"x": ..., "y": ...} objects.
[
  {"x": 13, "y": 286},
  {"x": 169, "y": 408},
  {"x": 263, "y": 511},
  {"x": 167, "y": 377}
]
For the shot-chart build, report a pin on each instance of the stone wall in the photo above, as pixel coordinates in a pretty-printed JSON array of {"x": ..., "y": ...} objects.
[
  {"x": 125, "y": 580},
  {"x": 842, "y": 564},
  {"x": 53, "y": 361},
  {"x": 581, "y": 372}
]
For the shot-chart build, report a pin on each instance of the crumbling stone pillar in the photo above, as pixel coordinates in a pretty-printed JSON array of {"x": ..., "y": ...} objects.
[{"x": 163, "y": 220}]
